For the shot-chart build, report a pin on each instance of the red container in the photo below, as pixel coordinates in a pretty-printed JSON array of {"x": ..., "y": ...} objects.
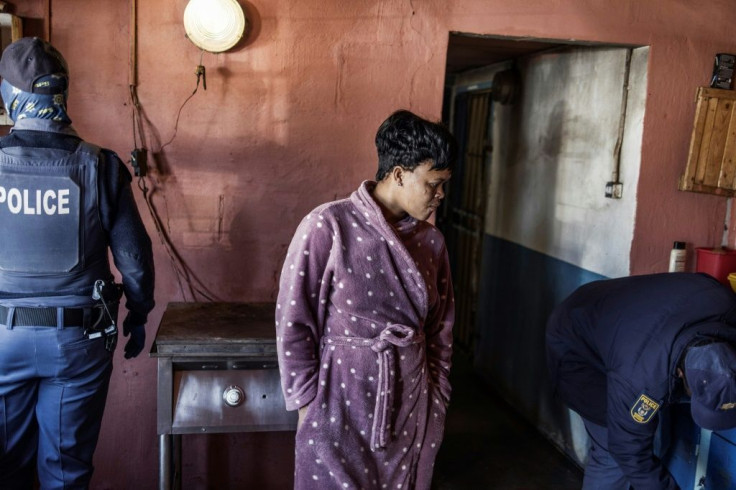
[{"x": 718, "y": 262}]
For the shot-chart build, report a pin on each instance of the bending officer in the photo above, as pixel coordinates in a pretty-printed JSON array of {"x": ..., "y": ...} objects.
[{"x": 620, "y": 351}]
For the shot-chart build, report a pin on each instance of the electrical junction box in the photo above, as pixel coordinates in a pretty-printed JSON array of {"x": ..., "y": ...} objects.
[{"x": 614, "y": 190}]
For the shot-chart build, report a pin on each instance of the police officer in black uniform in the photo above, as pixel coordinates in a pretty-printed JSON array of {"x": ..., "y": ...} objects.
[
  {"x": 620, "y": 351},
  {"x": 64, "y": 203}
]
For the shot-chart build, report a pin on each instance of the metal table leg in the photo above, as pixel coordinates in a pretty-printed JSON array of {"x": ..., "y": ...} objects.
[
  {"x": 176, "y": 461},
  {"x": 164, "y": 462},
  {"x": 169, "y": 462}
]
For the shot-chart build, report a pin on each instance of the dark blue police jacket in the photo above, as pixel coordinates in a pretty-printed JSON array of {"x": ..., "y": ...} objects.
[
  {"x": 613, "y": 349},
  {"x": 63, "y": 202}
]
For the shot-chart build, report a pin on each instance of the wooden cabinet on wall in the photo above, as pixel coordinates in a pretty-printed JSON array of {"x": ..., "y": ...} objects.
[{"x": 711, "y": 162}]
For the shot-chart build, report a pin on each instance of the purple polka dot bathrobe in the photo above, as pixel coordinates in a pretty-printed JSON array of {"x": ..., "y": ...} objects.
[{"x": 364, "y": 334}]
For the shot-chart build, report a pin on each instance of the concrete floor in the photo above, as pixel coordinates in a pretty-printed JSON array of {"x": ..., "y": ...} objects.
[{"x": 488, "y": 446}]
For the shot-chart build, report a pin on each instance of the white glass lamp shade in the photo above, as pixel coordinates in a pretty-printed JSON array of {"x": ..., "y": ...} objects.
[{"x": 214, "y": 25}]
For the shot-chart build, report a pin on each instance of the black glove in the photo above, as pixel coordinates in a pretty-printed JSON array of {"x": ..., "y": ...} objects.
[{"x": 137, "y": 340}]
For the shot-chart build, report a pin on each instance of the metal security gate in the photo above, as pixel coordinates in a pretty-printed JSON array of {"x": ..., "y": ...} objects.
[{"x": 463, "y": 216}]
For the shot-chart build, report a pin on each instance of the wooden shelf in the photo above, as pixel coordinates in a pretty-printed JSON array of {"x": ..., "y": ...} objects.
[{"x": 711, "y": 162}]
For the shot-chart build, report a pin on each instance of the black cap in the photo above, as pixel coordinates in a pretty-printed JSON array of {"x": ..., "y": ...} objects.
[{"x": 28, "y": 59}]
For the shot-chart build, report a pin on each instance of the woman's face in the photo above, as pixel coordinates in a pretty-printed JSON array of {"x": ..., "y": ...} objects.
[{"x": 422, "y": 189}]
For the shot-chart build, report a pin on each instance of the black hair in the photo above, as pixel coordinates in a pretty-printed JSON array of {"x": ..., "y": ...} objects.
[{"x": 406, "y": 140}]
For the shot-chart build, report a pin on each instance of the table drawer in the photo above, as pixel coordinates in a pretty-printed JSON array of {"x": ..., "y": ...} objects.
[{"x": 200, "y": 403}]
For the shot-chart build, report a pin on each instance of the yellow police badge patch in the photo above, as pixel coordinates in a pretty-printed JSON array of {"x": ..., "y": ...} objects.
[{"x": 644, "y": 409}]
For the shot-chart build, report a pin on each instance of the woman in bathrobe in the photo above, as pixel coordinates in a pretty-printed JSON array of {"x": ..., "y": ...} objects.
[{"x": 364, "y": 321}]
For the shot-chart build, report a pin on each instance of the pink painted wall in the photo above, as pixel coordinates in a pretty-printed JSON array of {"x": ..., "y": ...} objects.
[{"x": 287, "y": 122}]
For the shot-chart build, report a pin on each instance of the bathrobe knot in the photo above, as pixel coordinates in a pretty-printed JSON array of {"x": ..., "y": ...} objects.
[{"x": 398, "y": 335}]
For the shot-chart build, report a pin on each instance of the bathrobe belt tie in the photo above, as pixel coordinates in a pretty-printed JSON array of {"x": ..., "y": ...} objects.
[{"x": 394, "y": 335}]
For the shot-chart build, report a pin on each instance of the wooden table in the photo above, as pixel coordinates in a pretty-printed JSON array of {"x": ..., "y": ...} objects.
[{"x": 217, "y": 372}]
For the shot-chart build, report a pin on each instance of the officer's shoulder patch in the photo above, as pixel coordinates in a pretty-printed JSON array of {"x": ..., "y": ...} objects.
[{"x": 644, "y": 409}]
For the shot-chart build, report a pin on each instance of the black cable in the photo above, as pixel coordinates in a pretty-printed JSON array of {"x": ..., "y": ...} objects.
[
  {"x": 185, "y": 276},
  {"x": 200, "y": 77}
]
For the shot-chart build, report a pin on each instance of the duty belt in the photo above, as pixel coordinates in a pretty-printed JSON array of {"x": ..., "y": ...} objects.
[
  {"x": 393, "y": 335},
  {"x": 46, "y": 317}
]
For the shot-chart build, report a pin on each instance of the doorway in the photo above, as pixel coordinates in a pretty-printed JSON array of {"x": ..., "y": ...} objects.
[
  {"x": 527, "y": 217},
  {"x": 464, "y": 212}
]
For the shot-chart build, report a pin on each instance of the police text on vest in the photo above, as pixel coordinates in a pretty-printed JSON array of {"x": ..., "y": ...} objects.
[{"x": 48, "y": 202}]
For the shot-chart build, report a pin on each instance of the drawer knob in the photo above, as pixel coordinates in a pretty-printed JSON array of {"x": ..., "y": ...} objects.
[{"x": 233, "y": 396}]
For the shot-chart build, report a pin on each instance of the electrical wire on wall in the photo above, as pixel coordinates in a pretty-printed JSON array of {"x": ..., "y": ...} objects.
[
  {"x": 201, "y": 76},
  {"x": 190, "y": 286}
]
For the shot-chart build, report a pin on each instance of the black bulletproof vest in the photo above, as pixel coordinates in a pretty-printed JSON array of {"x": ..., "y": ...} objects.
[{"x": 52, "y": 242}]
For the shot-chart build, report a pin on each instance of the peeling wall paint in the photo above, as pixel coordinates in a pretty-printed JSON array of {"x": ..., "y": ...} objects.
[{"x": 554, "y": 152}]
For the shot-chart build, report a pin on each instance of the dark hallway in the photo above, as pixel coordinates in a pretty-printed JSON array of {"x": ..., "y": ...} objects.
[{"x": 489, "y": 446}]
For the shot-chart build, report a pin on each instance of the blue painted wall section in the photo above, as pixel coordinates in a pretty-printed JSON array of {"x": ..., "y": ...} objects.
[{"x": 519, "y": 288}]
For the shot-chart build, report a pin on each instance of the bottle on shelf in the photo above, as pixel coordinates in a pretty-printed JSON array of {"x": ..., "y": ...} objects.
[{"x": 678, "y": 256}]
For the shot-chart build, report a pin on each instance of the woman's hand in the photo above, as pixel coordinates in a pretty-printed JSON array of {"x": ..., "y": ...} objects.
[{"x": 302, "y": 413}]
